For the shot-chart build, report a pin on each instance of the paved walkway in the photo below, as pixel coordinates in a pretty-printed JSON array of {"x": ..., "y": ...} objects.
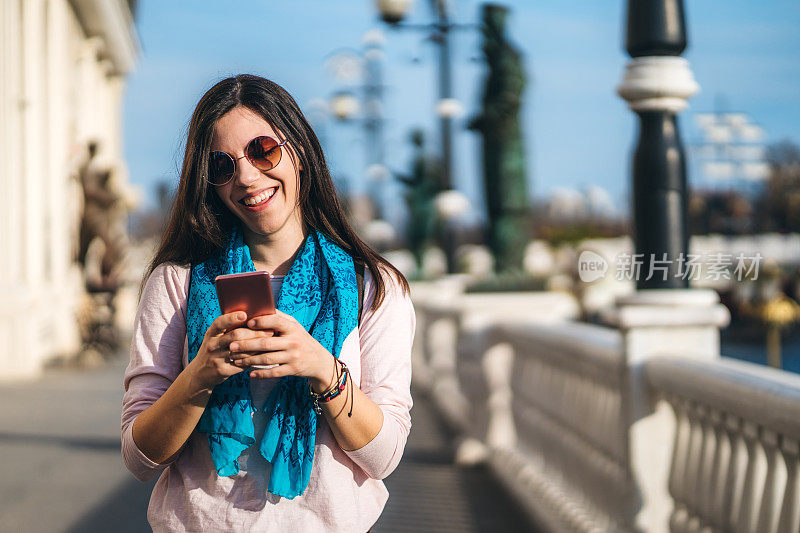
[
  {"x": 427, "y": 492},
  {"x": 61, "y": 468}
]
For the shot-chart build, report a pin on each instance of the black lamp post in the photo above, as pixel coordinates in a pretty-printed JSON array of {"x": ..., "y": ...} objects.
[
  {"x": 393, "y": 12},
  {"x": 656, "y": 84}
]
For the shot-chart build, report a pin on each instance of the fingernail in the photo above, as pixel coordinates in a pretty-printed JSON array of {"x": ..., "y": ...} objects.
[
  {"x": 240, "y": 316},
  {"x": 233, "y": 347},
  {"x": 251, "y": 323}
]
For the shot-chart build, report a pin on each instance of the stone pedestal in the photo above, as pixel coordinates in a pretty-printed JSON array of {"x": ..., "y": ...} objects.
[{"x": 656, "y": 322}]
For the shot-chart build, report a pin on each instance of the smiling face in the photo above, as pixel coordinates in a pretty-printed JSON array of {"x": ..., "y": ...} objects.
[{"x": 266, "y": 202}]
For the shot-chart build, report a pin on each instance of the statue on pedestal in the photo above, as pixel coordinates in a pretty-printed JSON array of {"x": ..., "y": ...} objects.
[{"x": 103, "y": 243}]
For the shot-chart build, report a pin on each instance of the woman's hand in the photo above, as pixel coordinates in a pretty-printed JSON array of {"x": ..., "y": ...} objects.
[
  {"x": 213, "y": 363},
  {"x": 291, "y": 347}
]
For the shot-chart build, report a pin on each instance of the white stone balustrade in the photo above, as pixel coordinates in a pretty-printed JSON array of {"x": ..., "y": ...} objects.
[
  {"x": 569, "y": 461},
  {"x": 636, "y": 427},
  {"x": 735, "y": 453}
]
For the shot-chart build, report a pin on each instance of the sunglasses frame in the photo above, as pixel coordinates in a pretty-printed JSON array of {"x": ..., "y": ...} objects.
[{"x": 278, "y": 145}]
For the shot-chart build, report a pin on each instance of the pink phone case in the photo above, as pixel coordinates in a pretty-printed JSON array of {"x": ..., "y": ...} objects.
[{"x": 250, "y": 292}]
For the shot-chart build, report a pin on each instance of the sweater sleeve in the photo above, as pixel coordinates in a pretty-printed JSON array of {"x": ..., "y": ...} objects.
[
  {"x": 156, "y": 354},
  {"x": 386, "y": 336}
]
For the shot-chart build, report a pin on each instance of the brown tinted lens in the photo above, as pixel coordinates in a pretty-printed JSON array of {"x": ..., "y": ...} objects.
[
  {"x": 264, "y": 153},
  {"x": 220, "y": 167}
]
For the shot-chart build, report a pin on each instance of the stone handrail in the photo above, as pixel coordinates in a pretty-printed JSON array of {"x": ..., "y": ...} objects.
[{"x": 735, "y": 452}]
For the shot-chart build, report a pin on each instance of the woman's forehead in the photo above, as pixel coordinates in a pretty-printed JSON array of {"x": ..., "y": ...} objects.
[{"x": 237, "y": 127}]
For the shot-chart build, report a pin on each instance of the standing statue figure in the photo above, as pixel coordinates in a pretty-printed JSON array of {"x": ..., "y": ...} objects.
[
  {"x": 103, "y": 243},
  {"x": 422, "y": 185},
  {"x": 504, "y": 169}
]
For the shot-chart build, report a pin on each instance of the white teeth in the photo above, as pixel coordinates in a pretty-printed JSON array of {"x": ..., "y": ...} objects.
[{"x": 254, "y": 200}]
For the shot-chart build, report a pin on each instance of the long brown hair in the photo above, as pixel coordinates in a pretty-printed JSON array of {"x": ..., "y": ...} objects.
[{"x": 199, "y": 221}]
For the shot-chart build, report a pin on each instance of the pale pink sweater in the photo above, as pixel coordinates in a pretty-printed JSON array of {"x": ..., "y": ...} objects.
[{"x": 345, "y": 492}]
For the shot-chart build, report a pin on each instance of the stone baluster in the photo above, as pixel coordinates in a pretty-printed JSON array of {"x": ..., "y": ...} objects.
[
  {"x": 730, "y": 500},
  {"x": 693, "y": 465},
  {"x": 715, "y": 510},
  {"x": 703, "y": 471},
  {"x": 767, "y": 515},
  {"x": 748, "y": 498},
  {"x": 442, "y": 338},
  {"x": 676, "y": 484},
  {"x": 789, "y": 521},
  {"x": 420, "y": 354},
  {"x": 497, "y": 366}
]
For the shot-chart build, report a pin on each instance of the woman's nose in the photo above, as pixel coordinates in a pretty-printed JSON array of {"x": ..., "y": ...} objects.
[{"x": 246, "y": 173}]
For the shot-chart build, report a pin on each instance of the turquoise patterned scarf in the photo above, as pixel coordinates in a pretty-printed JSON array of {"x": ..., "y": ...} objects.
[{"x": 320, "y": 291}]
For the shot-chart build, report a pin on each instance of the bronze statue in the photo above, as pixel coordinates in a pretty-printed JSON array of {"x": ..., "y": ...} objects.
[
  {"x": 504, "y": 169},
  {"x": 422, "y": 185}
]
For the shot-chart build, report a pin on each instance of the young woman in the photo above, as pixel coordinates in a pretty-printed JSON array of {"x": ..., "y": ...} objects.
[{"x": 240, "y": 449}]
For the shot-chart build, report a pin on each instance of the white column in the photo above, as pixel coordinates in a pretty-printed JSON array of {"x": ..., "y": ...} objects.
[
  {"x": 34, "y": 128},
  {"x": 66, "y": 337},
  {"x": 57, "y": 139},
  {"x": 11, "y": 181},
  {"x": 11, "y": 127},
  {"x": 22, "y": 319}
]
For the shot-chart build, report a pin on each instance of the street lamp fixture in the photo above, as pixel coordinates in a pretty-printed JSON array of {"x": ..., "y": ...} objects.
[
  {"x": 449, "y": 108},
  {"x": 451, "y": 205},
  {"x": 380, "y": 233},
  {"x": 344, "y": 105},
  {"x": 378, "y": 172},
  {"x": 393, "y": 11}
]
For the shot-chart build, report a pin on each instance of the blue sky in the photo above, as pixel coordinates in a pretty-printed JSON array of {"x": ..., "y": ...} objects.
[{"x": 577, "y": 131}]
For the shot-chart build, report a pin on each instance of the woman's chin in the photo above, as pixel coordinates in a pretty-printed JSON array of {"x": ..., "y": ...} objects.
[
  {"x": 268, "y": 223},
  {"x": 264, "y": 230},
  {"x": 268, "y": 227}
]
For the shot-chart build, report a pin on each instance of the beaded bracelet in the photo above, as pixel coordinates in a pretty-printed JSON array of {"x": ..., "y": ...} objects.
[{"x": 332, "y": 392}]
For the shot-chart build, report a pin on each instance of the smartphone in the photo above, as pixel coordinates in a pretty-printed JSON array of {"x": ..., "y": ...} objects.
[{"x": 250, "y": 292}]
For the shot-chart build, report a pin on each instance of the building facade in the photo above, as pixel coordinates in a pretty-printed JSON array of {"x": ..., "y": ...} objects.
[{"x": 62, "y": 74}]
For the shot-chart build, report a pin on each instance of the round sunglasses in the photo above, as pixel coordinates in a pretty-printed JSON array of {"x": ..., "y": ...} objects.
[{"x": 263, "y": 152}]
